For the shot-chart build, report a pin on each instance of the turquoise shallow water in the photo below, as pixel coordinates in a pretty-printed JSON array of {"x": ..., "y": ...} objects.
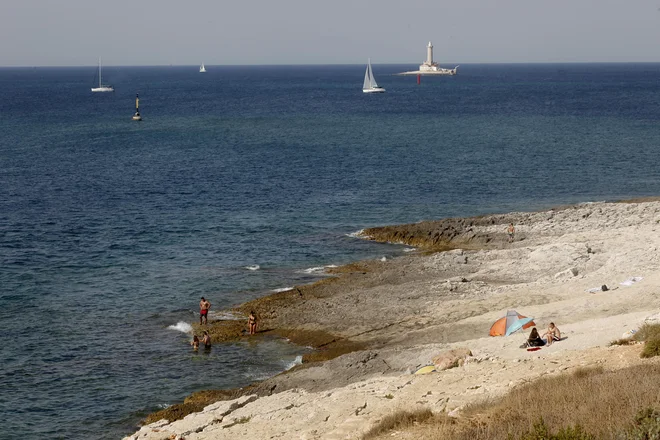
[{"x": 110, "y": 230}]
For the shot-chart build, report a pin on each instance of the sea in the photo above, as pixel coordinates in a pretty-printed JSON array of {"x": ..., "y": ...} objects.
[{"x": 249, "y": 179}]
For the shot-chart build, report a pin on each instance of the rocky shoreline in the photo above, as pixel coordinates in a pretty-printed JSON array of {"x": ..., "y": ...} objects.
[{"x": 375, "y": 322}]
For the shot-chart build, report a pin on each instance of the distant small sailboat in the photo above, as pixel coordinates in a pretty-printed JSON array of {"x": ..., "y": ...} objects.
[
  {"x": 202, "y": 69},
  {"x": 101, "y": 87},
  {"x": 136, "y": 116},
  {"x": 370, "y": 85}
]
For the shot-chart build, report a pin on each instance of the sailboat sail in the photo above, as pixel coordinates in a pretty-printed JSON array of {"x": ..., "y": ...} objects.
[
  {"x": 370, "y": 85},
  {"x": 373, "y": 83},
  {"x": 367, "y": 78},
  {"x": 101, "y": 87}
]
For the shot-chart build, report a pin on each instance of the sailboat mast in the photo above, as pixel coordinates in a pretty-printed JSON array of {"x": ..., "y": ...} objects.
[
  {"x": 137, "y": 101},
  {"x": 99, "y": 72}
]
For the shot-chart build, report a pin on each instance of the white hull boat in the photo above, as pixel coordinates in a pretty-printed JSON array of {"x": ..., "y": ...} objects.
[
  {"x": 102, "y": 87},
  {"x": 370, "y": 85}
]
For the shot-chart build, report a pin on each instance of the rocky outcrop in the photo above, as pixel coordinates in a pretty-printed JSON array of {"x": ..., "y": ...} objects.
[
  {"x": 451, "y": 358},
  {"x": 443, "y": 234}
]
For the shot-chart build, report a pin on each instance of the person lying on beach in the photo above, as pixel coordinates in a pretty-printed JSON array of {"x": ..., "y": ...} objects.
[
  {"x": 206, "y": 339},
  {"x": 195, "y": 342},
  {"x": 534, "y": 339},
  {"x": 553, "y": 333},
  {"x": 252, "y": 323}
]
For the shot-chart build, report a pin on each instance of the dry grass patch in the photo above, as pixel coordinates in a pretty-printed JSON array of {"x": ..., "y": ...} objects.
[
  {"x": 650, "y": 335},
  {"x": 398, "y": 420},
  {"x": 590, "y": 403}
]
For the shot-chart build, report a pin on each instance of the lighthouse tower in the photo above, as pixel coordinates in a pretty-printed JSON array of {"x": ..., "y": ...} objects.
[{"x": 429, "y": 65}]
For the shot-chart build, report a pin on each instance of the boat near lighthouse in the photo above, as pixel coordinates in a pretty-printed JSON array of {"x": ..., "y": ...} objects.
[
  {"x": 430, "y": 67},
  {"x": 370, "y": 85}
]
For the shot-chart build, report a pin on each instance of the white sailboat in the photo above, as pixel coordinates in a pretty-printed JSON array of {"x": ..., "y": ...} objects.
[
  {"x": 101, "y": 87},
  {"x": 370, "y": 85},
  {"x": 202, "y": 69}
]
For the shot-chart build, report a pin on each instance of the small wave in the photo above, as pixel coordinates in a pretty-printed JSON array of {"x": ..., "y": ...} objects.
[
  {"x": 409, "y": 249},
  {"x": 253, "y": 267},
  {"x": 317, "y": 269},
  {"x": 383, "y": 259},
  {"x": 181, "y": 327},
  {"x": 296, "y": 361},
  {"x": 282, "y": 289},
  {"x": 356, "y": 234},
  {"x": 163, "y": 405}
]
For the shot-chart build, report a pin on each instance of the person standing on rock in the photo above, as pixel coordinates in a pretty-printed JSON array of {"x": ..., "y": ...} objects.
[
  {"x": 511, "y": 231},
  {"x": 252, "y": 323},
  {"x": 204, "y": 307}
]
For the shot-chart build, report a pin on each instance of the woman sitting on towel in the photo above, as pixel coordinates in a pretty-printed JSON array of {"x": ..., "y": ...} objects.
[
  {"x": 553, "y": 333},
  {"x": 534, "y": 339}
]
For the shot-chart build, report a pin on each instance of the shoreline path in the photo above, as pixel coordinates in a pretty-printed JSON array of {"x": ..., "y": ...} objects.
[{"x": 392, "y": 317}]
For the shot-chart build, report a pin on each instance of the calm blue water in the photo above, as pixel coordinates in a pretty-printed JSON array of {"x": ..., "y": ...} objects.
[{"x": 111, "y": 230}]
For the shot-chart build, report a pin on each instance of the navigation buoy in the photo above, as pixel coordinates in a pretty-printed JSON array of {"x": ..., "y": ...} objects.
[{"x": 136, "y": 116}]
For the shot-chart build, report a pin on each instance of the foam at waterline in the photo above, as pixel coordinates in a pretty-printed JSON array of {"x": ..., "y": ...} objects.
[
  {"x": 253, "y": 267},
  {"x": 181, "y": 327},
  {"x": 318, "y": 269},
  {"x": 356, "y": 234},
  {"x": 293, "y": 363},
  {"x": 409, "y": 249},
  {"x": 282, "y": 289}
]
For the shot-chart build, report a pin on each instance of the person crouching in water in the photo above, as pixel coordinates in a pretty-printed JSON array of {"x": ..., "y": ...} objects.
[
  {"x": 206, "y": 339},
  {"x": 195, "y": 343},
  {"x": 252, "y": 323}
]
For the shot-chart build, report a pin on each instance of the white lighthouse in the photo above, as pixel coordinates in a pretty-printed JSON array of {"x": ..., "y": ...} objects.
[
  {"x": 429, "y": 54},
  {"x": 430, "y": 67}
]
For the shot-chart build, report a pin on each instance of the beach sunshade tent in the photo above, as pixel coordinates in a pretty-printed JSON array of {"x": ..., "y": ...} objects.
[{"x": 512, "y": 322}]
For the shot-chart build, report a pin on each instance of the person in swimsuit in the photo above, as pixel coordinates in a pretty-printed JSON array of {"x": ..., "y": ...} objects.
[
  {"x": 195, "y": 343},
  {"x": 252, "y": 323},
  {"x": 553, "y": 333},
  {"x": 206, "y": 339},
  {"x": 511, "y": 231},
  {"x": 204, "y": 307}
]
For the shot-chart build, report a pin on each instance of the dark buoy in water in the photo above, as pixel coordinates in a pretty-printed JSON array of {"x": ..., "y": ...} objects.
[{"x": 136, "y": 116}]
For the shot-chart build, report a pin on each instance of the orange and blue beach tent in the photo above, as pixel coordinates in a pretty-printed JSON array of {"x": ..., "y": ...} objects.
[{"x": 513, "y": 321}]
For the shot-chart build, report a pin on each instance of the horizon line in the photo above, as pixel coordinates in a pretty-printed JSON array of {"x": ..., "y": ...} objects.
[{"x": 330, "y": 64}]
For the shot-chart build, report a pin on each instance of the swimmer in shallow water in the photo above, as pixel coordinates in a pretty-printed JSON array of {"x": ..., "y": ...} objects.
[
  {"x": 206, "y": 339},
  {"x": 195, "y": 342}
]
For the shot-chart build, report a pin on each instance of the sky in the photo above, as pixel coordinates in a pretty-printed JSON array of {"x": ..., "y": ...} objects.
[{"x": 244, "y": 32}]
